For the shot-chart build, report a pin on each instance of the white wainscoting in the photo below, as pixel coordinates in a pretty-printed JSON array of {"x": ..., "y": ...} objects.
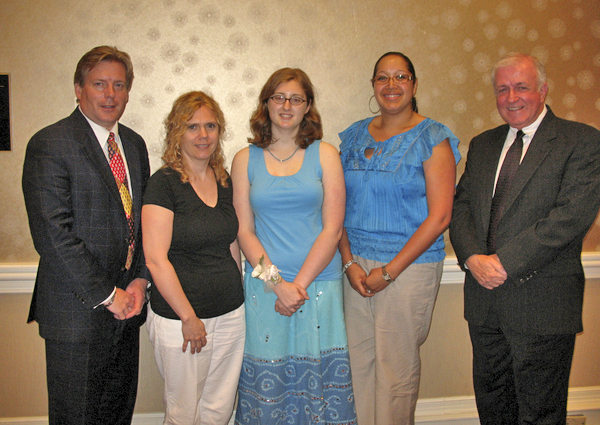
[
  {"x": 18, "y": 278},
  {"x": 433, "y": 411}
]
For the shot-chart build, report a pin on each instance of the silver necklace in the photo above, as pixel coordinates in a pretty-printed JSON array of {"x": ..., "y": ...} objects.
[{"x": 283, "y": 160}]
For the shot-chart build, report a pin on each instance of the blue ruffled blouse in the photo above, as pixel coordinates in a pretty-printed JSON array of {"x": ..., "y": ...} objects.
[{"x": 385, "y": 195}]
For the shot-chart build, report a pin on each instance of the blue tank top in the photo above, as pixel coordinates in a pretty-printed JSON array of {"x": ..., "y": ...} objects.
[{"x": 287, "y": 212}]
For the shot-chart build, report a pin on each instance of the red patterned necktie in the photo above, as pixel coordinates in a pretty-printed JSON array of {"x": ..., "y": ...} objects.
[
  {"x": 505, "y": 179},
  {"x": 118, "y": 168}
]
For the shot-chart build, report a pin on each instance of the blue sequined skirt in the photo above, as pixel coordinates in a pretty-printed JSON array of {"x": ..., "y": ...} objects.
[{"x": 296, "y": 370}]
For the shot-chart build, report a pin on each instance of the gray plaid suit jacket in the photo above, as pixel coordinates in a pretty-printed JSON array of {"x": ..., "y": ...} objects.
[{"x": 79, "y": 228}]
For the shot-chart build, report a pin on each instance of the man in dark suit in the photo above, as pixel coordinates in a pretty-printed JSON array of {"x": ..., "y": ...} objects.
[
  {"x": 89, "y": 296},
  {"x": 518, "y": 236}
]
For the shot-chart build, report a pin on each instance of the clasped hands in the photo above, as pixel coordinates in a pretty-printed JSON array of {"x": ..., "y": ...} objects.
[
  {"x": 366, "y": 285},
  {"x": 487, "y": 269},
  {"x": 290, "y": 297},
  {"x": 129, "y": 302}
]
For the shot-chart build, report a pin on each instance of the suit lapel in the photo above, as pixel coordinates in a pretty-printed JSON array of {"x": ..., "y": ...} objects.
[
  {"x": 84, "y": 134},
  {"x": 538, "y": 150},
  {"x": 490, "y": 158}
]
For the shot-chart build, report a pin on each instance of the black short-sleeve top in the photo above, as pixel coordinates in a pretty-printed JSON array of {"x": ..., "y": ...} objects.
[{"x": 199, "y": 249}]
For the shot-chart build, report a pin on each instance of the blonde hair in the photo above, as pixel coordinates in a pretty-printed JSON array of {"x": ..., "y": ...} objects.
[{"x": 176, "y": 125}]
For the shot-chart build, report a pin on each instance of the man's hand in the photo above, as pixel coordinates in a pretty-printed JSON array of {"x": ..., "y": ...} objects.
[
  {"x": 123, "y": 304},
  {"x": 487, "y": 269}
]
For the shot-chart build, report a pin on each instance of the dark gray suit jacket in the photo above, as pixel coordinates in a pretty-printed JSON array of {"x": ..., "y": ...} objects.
[
  {"x": 553, "y": 202},
  {"x": 79, "y": 228}
]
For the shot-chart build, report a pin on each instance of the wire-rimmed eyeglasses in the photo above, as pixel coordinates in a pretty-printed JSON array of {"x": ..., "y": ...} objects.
[
  {"x": 294, "y": 100},
  {"x": 398, "y": 79}
]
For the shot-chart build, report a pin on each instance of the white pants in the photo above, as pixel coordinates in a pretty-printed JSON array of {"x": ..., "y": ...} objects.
[
  {"x": 385, "y": 333},
  {"x": 199, "y": 388}
]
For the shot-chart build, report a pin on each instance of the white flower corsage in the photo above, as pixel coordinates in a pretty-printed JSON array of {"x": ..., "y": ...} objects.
[{"x": 269, "y": 274}]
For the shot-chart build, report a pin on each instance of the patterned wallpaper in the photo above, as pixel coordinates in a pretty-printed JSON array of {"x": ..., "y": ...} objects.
[{"x": 229, "y": 48}]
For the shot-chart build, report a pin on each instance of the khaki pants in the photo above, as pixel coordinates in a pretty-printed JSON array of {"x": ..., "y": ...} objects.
[{"x": 385, "y": 333}]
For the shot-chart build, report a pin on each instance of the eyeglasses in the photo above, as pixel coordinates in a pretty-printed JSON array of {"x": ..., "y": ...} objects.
[
  {"x": 398, "y": 79},
  {"x": 294, "y": 100}
]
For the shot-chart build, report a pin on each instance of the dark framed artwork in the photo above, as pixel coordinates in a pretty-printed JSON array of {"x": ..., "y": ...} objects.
[{"x": 4, "y": 113}]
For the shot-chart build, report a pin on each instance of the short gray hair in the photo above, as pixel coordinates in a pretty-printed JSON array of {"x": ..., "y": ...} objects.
[{"x": 513, "y": 59}]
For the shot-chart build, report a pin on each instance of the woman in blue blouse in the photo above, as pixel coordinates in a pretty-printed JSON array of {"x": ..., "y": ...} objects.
[{"x": 400, "y": 171}]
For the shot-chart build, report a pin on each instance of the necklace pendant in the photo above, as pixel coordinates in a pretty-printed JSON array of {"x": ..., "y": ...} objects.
[{"x": 283, "y": 160}]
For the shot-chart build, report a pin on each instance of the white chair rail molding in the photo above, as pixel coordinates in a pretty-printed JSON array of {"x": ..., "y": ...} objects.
[{"x": 19, "y": 278}]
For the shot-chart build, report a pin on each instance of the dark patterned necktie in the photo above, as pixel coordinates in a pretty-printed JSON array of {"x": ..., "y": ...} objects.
[
  {"x": 505, "y": 179},
  {"x": 118, "y": 168}
]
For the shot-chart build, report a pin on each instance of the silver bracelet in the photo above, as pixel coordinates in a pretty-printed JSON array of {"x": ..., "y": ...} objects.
[{"x": 348, "y": 264}]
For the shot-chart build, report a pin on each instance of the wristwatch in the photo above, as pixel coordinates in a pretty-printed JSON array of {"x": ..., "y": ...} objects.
[
  {"x": 386, "y": 276},
  {"x": 111, "y": 300}
]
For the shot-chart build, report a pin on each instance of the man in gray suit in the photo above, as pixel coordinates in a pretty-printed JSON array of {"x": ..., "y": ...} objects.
[
  {"x": 83, "y": 180},
  {"x": 520, "y": 215}
]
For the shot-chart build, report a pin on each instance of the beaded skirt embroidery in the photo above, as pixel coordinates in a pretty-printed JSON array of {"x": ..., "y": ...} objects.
[{"x": 296, "y": 370}]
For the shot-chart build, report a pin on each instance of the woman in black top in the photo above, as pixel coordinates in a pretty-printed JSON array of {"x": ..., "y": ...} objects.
[{"x": 196, "y": 316}]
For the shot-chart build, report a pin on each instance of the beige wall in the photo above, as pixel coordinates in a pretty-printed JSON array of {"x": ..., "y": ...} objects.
[{"x": 229, "y": 48}]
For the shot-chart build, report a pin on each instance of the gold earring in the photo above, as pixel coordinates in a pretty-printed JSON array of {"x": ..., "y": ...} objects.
[{"x": 371, "y": 109}]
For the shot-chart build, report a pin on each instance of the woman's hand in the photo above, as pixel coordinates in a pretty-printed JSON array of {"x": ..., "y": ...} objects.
[
  {"x": 194, "y": 334},
  {"x": 290, "y": 297},
  {"x": 281, "y": 309},
  {"x": 357, "y": 276},
  {"x": 137, "y": 288},
  {"x": 375, "y": 281}
]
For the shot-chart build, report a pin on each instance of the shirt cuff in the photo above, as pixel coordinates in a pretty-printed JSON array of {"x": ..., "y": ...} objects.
[{"x": 112, "y": 294}]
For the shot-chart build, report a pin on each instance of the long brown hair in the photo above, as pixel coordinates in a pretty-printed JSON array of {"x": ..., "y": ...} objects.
[
  {"x": 260, "y": 122},
  {"x": 176, "y": 125}
]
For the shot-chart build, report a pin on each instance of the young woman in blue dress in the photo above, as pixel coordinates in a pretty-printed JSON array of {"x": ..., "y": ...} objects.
[{"x": 289, "y": 196}]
